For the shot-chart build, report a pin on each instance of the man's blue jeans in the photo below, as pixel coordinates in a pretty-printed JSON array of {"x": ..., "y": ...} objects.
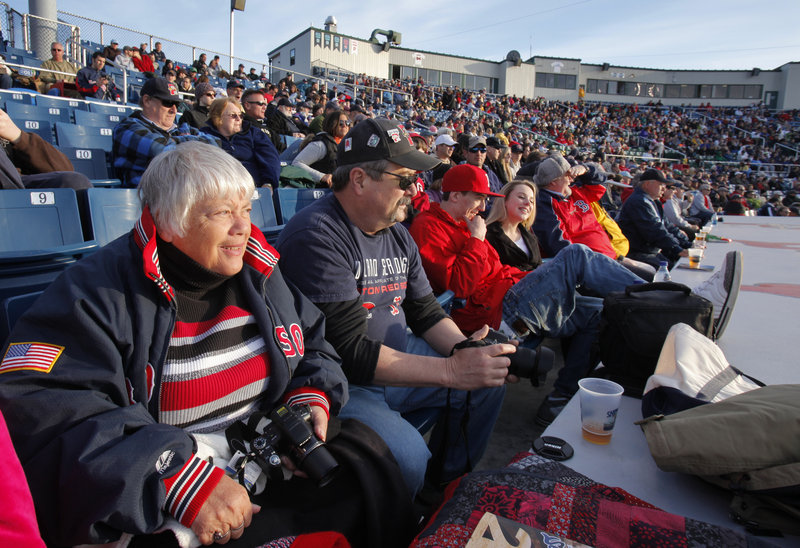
[
  {"x": 547, "y": 301},
  {"x": 401, "y": 415}
]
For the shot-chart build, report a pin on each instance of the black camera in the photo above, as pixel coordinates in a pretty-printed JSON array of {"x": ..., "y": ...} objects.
[
  {"x": 525, "y": 362},
  {"x": 288, "y": 431}
]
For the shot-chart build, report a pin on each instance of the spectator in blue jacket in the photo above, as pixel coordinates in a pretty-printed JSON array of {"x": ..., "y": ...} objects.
[
  {"x": 246, "y": 143},
  {"x": 92, "y": 81},
  {"x": 145, "y": 134},
  {"x": 652, "y": 238}
]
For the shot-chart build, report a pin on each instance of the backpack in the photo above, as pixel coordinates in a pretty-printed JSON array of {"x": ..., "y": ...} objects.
[
  {"x": 634, "y": 326},
  {"x": 748, "y": 444}
]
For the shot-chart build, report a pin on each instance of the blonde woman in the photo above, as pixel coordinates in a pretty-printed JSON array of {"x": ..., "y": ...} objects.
[{"x": 509, "y": 223}]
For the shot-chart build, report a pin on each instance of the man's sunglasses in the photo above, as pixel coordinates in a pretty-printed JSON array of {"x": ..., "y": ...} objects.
[
  {"x": 169, "y": 104},
  {"x": 403, "y": 181},
  {"x": 478, "y": 149}
]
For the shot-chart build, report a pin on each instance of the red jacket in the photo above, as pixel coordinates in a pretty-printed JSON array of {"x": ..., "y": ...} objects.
[
  {"x": 468, "y": 267},
  {"x": 561, "y": 221}
]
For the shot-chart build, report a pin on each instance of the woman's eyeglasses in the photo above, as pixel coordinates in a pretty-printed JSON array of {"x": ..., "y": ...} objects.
[
  {"x": 344, "y": 123},
  {"x": 235, "y": 116}
]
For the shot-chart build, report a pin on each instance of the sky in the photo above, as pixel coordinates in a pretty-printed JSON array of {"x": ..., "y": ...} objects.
[{"x": 671, "y": 34}]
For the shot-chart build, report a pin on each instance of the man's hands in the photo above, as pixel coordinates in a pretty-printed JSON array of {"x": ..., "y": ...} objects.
[
  {"x": 479, "y": 367},
  {"x": 477, "y": 228},
  {"x": 576, "y": 171},
  {"x": 8, "y": 129},
  {"x": 227, "y": 510}
]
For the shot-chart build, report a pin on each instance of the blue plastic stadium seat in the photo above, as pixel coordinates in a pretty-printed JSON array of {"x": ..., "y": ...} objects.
[
  {"x": 92, "y": 162},
  {"x": 40, "y": 128},
  {"x": 61, "y": 102},
  {"x": 11, "y": 50},
  {"x": 112, "y": 212},
  {"x": 11, "y": 309},
  {"x": 17, "y": 96},
  {"x": 40, "y": 235},
  {"x": 70, "y": 135},
  {"x": 110, "y": 108},
  {"x": 292, "y": 200},
  {"x": 21, "y": 111},
  {"x": 98, "y": 119},
  {"x": 289, "y": 139},
  {"x": 263, "y": 215}
]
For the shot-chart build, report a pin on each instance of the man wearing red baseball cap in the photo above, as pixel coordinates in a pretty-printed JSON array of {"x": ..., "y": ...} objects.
[{"x": 543, "y": 302}]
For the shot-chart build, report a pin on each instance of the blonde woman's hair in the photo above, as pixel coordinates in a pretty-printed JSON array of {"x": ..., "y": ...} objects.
[{"x": 498, "y": 212}]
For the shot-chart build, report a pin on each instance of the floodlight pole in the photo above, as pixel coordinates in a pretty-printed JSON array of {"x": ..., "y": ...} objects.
[{"x": 235, "y": 5}]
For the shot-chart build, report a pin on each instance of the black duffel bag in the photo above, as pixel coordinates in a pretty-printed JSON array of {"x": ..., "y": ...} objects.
[{"x": 635, "y": 324}]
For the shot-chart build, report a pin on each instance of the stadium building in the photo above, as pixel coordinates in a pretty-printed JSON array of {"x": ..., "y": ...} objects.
[{"x": 320, "y": 51}]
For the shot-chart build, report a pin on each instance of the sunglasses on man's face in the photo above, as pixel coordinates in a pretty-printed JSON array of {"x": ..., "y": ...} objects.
[
  {"x": 403, "y": 181},
  {"x": 169, "y": 104},
  {"x": 478, "y": 149}
]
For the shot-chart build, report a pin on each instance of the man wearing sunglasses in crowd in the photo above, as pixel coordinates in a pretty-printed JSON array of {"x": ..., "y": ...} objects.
[
  {"x": 348, "y": 253},
  {"x": 197, "y": 116},
  {"x": 255, "y": 108},
  {"x": 475, "y": 154},
  {"x": 146, "y": 133}
]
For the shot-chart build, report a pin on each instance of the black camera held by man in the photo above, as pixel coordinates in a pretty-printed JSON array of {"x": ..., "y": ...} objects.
[
  {"x": 525, "y": 362},
  {"x": 285, "y": 431}
]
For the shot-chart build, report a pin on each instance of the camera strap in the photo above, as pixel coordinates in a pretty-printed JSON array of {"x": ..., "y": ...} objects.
[
  {"x": 436, "y": 464},
  {"x": 242, "y": 465}
]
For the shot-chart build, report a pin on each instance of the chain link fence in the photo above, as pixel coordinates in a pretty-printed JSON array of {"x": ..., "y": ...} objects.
[
  {"x": 35, "y": 34},
  {"x": 82, "y": 36},
  {"x": 97, "y": 34}
]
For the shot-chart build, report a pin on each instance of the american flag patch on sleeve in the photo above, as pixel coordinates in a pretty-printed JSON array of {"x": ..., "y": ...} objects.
[{"x": 33, "y": 356}]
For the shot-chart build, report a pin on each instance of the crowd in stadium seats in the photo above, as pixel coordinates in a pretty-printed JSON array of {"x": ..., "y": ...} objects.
[{"x": 603, "y": 192}]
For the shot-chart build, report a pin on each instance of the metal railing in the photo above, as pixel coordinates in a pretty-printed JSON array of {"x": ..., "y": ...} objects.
[{"x": 101, "y": 34}]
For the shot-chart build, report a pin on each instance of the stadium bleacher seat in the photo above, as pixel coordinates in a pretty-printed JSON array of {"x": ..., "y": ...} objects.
[
  {"x": 70, "y": 135},
  {"x": 40, "y": 128},
  {"x": 92, "y": 162},
  {"x": 40, "y": 235},
  {"x": 11, "y": 308},
  {"x": 263, "y": 215},
  {"x": 17, "y": 96},
  {"x": 289, "y": 139},
  {"x": 61, "y": 102},
  {"x": 11, "y": 50},
  {"x": 292, "y": 200},
  {"x": 20, "y": 111},
  {"x": 110, "y": 108},
  {"x": 112, "y": 212},
  {"x": 98, "y": 119}
]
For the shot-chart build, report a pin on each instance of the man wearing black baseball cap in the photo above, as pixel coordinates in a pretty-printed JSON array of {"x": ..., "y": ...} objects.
[
  {"x": 348, "y": 254},
  {"x": 144, "y": 134},
  {"x": 642, "y": 221}
]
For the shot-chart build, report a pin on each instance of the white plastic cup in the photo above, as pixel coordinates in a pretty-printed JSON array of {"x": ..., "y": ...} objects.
[
  {"x": 600, "y": 400},
  {"x": 695, "y": 256}
]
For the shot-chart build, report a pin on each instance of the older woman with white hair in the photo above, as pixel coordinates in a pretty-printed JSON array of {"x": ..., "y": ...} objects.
[{"x": 153, "y": 355}]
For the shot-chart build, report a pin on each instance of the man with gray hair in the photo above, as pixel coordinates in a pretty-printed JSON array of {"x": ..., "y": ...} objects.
[
  {"x": 564, "y": 212},
  {"x": 701, "y": 208},
  {"x": 58, "y": 63}
]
